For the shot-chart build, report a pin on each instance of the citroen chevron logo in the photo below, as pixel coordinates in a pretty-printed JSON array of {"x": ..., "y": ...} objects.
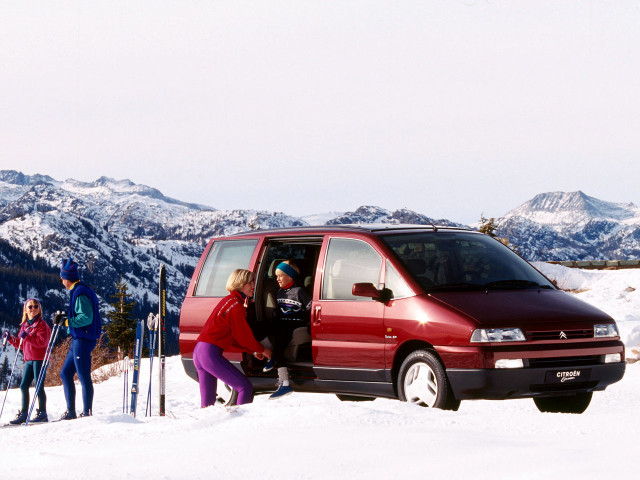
[{"x": 563, "y": 336}]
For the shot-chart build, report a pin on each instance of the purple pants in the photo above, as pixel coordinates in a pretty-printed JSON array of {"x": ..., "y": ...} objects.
[{"x": 211, "y": 366}]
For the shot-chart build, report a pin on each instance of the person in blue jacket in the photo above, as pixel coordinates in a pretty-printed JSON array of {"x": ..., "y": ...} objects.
[{"x": 85, "y": 328}]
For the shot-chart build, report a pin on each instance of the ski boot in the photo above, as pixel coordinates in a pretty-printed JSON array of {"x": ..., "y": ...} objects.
[
  {"x": 21, "y": 417},
  {"x": 41, "y": 417},
  {"x": 69, "y": 415}
]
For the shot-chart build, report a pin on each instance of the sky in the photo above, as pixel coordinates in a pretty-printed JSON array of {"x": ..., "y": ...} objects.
[{"x": 452, "y": 108}]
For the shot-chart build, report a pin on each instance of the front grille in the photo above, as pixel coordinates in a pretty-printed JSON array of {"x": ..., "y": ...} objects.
[
  {"x": 560, "y": 334},
  {"x": 563, "y": 362}
]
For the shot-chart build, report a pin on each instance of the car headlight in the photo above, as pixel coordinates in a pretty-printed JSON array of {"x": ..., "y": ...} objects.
[
  {"x": 605, "y": 330},
  {"x": 485, "y": 335}
]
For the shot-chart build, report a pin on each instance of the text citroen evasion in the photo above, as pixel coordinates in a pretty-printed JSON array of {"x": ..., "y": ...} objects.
[{"x": 423, "y": 314}]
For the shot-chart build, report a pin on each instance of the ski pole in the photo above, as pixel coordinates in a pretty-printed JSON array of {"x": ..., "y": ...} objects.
[
  {"x": 5, "y": 337},
  {"x": 43, "y": 370},
  {"x": 10, "y": 377},
  {"x": 125, "y": 396},
  {"x": 152, "y": 322}
]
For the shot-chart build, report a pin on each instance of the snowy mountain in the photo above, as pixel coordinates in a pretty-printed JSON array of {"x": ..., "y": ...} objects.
[
  {"x": 113, "y": 228},
  {"x": 573, "y": 226},
  {"x": 371, "y": 214}
]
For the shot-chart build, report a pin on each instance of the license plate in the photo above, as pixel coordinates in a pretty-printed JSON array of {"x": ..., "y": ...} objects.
[{"x": 568, "y": 376}]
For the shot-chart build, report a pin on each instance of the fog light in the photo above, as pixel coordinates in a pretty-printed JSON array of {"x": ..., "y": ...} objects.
[
  {"x": 509, "y": 363},
  {"x": 612, "y": 358}
]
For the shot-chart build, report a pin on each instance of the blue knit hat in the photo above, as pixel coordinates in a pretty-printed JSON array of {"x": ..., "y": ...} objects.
[
  {"x": 288, "y": 269},
  {"x": 69, "y": 270}
]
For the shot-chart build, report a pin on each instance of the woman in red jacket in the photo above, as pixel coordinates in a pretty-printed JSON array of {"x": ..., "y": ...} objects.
[
  {"x": 227, "y": 330},
  {"x": 34, "y": 334}
]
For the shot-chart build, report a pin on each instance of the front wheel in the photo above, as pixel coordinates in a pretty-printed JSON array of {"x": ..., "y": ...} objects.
[
  {"x": 577, "y": 403},
  {"x": 423, "y": 381}
]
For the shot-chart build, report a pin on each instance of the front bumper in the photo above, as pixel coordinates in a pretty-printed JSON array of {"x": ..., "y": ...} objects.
[{"x": 499, "y": 384}]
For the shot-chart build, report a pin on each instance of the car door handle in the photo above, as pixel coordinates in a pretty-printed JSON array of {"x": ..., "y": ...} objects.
[{"x": 316, "y": 314}]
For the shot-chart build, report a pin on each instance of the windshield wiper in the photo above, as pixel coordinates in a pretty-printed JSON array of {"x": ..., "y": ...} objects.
[
  {"x": 456, "y": 286},
  {"x": 515, "y": 284}
]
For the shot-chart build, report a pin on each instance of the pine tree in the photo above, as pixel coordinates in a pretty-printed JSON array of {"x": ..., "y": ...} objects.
[
  {"x": 487, "y": 225},
  {"x": 121, "y": 326}
]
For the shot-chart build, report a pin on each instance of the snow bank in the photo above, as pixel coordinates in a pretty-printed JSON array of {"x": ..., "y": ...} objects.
[{"x": 315, "y": 436}]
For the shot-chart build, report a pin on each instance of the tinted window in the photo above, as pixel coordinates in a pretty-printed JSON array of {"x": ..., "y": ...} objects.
[
  {"x": 224, "y": 257},
  {"x": 446, "y": 260},
  {"x": 348, "y": 262}
]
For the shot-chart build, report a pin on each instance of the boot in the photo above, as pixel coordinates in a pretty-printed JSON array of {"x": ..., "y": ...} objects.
[
  {"x": 41, "y": 417},
  {"x": 281, "y": 392},
  {"x": 68, "y": 415},
  {"x": 21, "y": 417}
]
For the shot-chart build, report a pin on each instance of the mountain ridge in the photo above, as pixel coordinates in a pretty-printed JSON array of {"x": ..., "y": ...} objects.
[
  {"x": 572, "y": 207},
  {"x": 573, "y": 226}
]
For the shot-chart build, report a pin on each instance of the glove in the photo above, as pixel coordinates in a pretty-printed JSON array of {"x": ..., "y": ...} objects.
[
  {"x": 23, "y": 334},
  {"x": 58, "y": 318},
  {"x": 5, "y": 334}
]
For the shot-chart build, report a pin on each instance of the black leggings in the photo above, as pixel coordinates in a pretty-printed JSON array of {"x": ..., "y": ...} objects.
[
  {"x": 284, "y": 332},
  {"x": 30, "y": 374}
]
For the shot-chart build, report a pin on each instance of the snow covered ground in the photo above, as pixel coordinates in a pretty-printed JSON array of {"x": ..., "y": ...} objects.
[{"x": 309, "y": 436}]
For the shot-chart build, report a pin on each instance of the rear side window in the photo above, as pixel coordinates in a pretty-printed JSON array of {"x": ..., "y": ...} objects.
[
  {"x": 349, "y": 261},
  {"x": 224, "y": 257}
]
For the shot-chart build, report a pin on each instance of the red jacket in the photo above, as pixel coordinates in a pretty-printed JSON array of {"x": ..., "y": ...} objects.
[
  {"x": 227, "y": 327},
  {"x": 34, "y": 346}
]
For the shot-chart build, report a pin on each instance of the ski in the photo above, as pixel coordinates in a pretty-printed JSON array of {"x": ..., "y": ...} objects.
[
  {"x": 136, "y": 365},
  {"x": 162, "y": 310},
  {"x": 10, "y": 425},
  {"x": 125, "y": 393},
  {"x": 152, "y": 325}
]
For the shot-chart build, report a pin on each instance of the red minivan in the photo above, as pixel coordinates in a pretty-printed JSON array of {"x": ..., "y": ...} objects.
[{"x": 429, "y": 315}]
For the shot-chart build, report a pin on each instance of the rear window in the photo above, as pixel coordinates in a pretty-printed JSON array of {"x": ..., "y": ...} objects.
[{"x": 224, "y": 257}]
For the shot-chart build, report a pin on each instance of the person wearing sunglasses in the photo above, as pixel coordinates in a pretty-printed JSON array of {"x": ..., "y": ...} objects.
[{"x": 34, "y": 334}]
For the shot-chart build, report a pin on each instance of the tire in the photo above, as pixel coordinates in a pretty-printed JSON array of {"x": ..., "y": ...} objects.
[
  {"x": 422, "y": 380},
  {"x": 354, "y": 398},
  {"x": 226, "y": 395},
  {"x": 577, "y": 403}
]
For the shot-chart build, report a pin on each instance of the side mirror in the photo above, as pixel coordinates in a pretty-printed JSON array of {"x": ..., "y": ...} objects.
[{"x": 369, "y": 290}]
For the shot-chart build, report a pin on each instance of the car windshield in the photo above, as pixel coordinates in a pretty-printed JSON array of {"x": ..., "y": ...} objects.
[{"x": 463, "y": 261}]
